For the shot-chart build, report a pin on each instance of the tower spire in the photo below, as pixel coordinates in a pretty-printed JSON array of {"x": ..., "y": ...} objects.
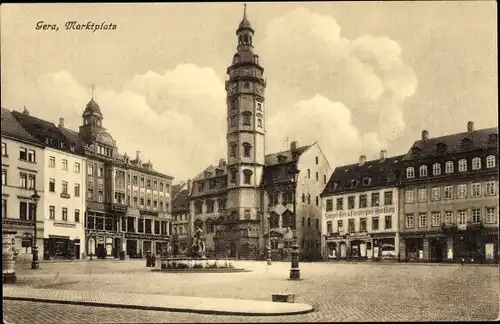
[
  {"x": 92, "y": 87},
  {"x": 244, "y": 11}
]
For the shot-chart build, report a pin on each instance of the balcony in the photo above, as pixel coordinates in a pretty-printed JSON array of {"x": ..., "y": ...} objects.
[
  {"x": 65, "y": 195},
  {"x": 449, "y": 228}
]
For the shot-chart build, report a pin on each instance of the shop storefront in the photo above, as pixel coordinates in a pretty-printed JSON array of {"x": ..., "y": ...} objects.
[
  {"x": 413, "y": 248},
  {"x": 59, "y": 247},
  {"x": 138, "y": 244},
  {"x": 358, "y": 244},
  {"x": 104, "y": 244}
]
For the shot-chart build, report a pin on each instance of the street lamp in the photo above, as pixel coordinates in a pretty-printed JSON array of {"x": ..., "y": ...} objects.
[
  {"x": 269, "y": 240},
  {"x": 294, "y": 270},
  {"x": 34, "y": 263}
]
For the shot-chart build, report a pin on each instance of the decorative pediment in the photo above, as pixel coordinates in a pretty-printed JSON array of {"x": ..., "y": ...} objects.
[{"x": 105, "y": 138}]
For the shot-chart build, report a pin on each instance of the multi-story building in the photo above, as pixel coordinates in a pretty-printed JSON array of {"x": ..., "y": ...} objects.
[
  {"x": 449, "y": 197},
  {"x": 181, "y": 235},
  {"x": 283, "y": 186},
  {"x": 239, "y": 202},
  {"x": 128, "y": 202},
  {"x": 207, "y": 203},
  {"x": 360, "y": 208},
  {"x": 22, "y": 173},
  {"x": 64, "y": 177}
]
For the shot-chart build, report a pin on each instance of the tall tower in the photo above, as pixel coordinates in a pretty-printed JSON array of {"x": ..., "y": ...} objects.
[
  {"x": 92, "y": 120},
  {"x": 245, "y": 132}
]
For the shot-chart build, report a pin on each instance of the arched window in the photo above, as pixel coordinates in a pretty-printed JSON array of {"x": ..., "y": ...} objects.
[
  {"x": 462, "y": 165},
  {"x": 247, "y": 147},
  {"x": 476, "y": 163},
  {"x": 423, "y": 170},
  {"x": 198, "y": 207},
  {"x": 466, "y": 142},
  {"x": 410, "y": 172},
  {"x": 449, "y": 167},
  {"x": 490, "y": 161},
  {"x": 303, "y": 198},
  {"x": 436, "y": 169},
  {"x": 210, "y": 206},
  {"x": 234, "y": 175},
  {"x": 247, "y": 176},
  {"x": 221, "y": 204},
  {"x": 245, "y": 39},
  {"x": 232, "y": 149},
  {"x": 259, "y": 122},
  {"x": 247, "y": 118}
]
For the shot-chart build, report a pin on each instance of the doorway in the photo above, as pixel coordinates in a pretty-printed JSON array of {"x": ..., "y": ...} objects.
[
  {"x": 118, "y": 248},
  {"x": 77, "y": 251},
  {"x": 437, "y": 249}
]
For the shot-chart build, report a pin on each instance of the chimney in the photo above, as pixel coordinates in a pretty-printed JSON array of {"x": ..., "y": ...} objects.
[
  {"x": 362, "y": 160},
  {"x": 25, "y": 111},
  {"x": 61, "y": 122},
  {"x": 425, "y": 135},
  {"x": 383, "y": 155},
  {"x": 293, "y": 146},
  {"x": 470, "y": 126},
  {"x": 189, "y": 183},
  {"x": 138, "y": 155}
]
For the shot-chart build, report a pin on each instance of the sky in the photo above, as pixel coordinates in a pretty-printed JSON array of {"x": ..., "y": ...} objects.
[{"x": 356, "y": 77}]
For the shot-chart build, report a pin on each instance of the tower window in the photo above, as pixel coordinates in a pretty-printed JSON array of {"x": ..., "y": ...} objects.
[
  {"x": 233, "y": 121},
  {"x": 246, "y": 85},
  {"x": 247, "y": 147},
  {"x": 232, "y": 149},
  {"x": 259, "y": 106},
  {"x": 234, "y": 175},
  {"x": 248, "y": 176},
  {"x": 259, "y": 122},
  {"x": 246, "y": 118},
  {"x": 233, "y": 104}
]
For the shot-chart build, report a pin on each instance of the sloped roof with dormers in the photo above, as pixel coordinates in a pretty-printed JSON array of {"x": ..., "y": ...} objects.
[
  {"x": 453, "y": 144},
  {"x": 11, "y": 127},
  {"x": 45, "y": 131},
  {"x": 372, "y": 174}
]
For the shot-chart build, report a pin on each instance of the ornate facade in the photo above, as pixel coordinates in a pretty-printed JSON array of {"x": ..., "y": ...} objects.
[{"x": 231, "y": 201}]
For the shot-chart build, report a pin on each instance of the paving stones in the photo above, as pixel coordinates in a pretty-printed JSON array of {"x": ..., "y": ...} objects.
[{"x": 341, "y": 292}]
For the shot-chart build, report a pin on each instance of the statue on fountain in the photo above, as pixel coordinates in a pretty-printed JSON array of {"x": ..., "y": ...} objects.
[{"x": 198, "y": 248}]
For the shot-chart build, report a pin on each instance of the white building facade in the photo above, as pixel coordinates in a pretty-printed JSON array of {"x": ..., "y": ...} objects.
[
  {"x": 360, "y": 208},
  {"x": 64, "y": 204}
]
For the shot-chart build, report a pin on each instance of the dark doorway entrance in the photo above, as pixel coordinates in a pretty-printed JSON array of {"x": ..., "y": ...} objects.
[
  {"x": 132, "y": 248},
  {"x": 118, "y": 248},
  {"x": 77, "y": 251},
  {"x": 233, "y": 249},
  {"x": 437, "y": 250}
]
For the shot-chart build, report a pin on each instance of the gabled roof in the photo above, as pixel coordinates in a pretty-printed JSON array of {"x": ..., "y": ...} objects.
[
  {"x": 453, "y": 144},
  {"x": 180, "y": 202},
  {"x": 372, "y": 174},
  {"x": 44, "y": 131},
  {"x": 73, "y": 137},
  {"x": 272, "y": 159},
  {"x": 212, "y": 170},
  {"x": 10, "y": 126}
]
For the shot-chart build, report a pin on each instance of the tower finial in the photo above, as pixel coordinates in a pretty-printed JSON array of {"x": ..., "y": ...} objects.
[
  {"x": 92, "y": 87},
  {"x": 244, "y": 11}
]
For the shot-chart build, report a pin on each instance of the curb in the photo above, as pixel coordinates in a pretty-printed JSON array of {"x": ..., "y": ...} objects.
[
  {"x": 201, "y": 270},
  {"x": 154, "y": 308}
]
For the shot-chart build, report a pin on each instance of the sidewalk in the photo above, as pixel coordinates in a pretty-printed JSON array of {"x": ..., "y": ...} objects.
[
  {"x": 220, "y": 306},
  {"x": 391, "y": 262}
]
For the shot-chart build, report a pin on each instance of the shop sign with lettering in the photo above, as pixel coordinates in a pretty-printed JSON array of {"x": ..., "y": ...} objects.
[
  {"x": 362, "y": 212},
  {"x": 146, "y": 237}
]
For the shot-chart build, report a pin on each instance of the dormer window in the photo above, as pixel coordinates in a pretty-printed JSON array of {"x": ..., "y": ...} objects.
[
  {"x": 335, "y": 185},
  {"x": 281, "y": 158},
  {"x": 366, "y": 181},
  {"x": 423, "y": 170},
  {"x": 441, "y": 147},
  {"x": 410, "y": 172},
  {"x": 493, "y": 138},
  {"x": 466, "y": 142},
  {"x": 391, "y": 177},
  {"x": 208, "y": 174},
  {"x": 415, "y": 150}
]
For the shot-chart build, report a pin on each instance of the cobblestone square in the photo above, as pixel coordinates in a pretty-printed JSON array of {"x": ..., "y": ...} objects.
[{"x": 338, "y": 291}]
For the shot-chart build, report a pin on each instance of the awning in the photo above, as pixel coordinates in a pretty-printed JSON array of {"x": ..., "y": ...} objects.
[{"x": 59, "y": 237}]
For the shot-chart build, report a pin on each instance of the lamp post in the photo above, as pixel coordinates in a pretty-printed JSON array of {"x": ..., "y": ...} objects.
[
  {"x": 35, "y": 264},
  {"x": 294, "y": 270},
  {"x": 269, "y": 240}
]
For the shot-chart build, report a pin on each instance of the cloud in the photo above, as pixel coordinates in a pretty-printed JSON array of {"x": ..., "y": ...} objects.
[
  {"x": 176, "y": 119},
  {"x": 307, "y": 54},
  {"x": 339, "y": 139}
]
